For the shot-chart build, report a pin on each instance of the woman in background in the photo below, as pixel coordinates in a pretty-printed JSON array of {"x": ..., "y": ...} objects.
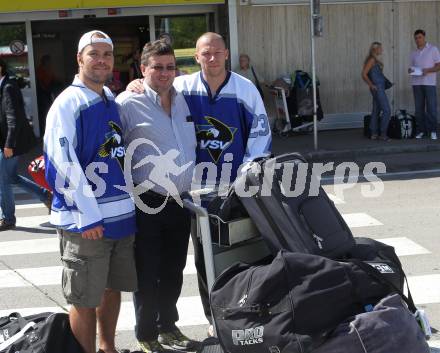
[{"x": 372, "y": 74}]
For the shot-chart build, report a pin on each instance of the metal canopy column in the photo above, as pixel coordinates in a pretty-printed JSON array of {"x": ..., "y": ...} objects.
[
  {"x": 233, "y": 33},
  {"x": 32, "y": 77}
]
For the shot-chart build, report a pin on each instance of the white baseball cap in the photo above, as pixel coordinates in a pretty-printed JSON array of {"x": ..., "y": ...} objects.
[{"x": 87, "y": 39}]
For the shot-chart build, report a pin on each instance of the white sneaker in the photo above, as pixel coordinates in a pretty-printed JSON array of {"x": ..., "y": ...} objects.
[
  {"x": 433, "y": 136},
  {"x": 419, "y": 135}
]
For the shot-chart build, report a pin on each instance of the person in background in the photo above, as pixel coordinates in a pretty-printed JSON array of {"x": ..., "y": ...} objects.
[
  {"x": 425, "y": 58},
  {"x": 46, "y": 87},
  {"x": 134, "y": 70},
  {"x": 246, "y": 70},
  {"x": 372, "y": 74},
  {"x": 16, "y": 138}
]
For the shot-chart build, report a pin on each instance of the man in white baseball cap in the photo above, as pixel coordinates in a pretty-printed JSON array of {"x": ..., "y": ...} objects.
[
  {"x": 93, "y": 37},
  {"x": 95, "y": 220}
]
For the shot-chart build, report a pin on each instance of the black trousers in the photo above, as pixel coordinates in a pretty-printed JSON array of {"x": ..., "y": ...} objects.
[{"x": 161, "y": 248}]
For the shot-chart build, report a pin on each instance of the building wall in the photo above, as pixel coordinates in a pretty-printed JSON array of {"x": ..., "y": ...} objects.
[{"x": 277, "y": 39}]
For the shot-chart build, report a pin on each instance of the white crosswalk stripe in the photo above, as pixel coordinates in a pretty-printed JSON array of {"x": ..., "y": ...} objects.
[
  {"x": 425, "y": 288},
  {"x": 335, "y": 199},
  {"x": 405, "y": 246},
  {"x": 34, "y": 222},
  {"x": 190, "y": 312},
  {"x": 29, "y": 206},
  {"x": 32, "y": 246},
  {"x": 355, "y": 220},
  {"x": 434, "y": 344},
  {"x": 51, "y": 275}
]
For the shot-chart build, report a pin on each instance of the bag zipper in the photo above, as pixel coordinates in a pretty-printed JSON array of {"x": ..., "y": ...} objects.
[{"x": 243, "y": 299}]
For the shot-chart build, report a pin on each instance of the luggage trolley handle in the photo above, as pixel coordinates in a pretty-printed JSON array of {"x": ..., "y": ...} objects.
[{"x": 205, "y": 234}]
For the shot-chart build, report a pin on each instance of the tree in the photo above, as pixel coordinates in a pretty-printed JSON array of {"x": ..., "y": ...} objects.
[{"x": 10, "y": 32}]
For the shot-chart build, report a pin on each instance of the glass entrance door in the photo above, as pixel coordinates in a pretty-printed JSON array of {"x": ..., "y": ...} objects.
[
  {"x": 183, "y": 31},
  {"x": 14, "y": 51}
]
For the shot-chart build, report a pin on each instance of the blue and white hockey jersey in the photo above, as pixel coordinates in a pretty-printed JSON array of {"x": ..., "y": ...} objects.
[
  {"x": 232, "y": 120},
  {"x": 84, "y": 156}
]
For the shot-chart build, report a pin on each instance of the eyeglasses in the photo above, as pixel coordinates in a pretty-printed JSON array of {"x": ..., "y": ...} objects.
[{"x": 163, "y": 68}]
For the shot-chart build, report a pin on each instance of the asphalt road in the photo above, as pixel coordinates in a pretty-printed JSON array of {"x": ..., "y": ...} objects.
[{"x": 406, "y": 213}]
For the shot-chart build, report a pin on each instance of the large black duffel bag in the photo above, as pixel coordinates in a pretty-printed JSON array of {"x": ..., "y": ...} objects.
[
  {"x": 40, "y": 333},
  {"x": 258, "y": 307}
]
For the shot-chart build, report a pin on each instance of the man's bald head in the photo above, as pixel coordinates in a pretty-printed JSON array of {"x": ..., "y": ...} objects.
[
  {"x": 209, "y": 37},
  {"x": 211, "y": 54}
]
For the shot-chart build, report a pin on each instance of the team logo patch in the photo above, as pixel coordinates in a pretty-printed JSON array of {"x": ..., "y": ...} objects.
[
  {"x": 113, "y": 145},
  {"x": 215, "y": 137}
]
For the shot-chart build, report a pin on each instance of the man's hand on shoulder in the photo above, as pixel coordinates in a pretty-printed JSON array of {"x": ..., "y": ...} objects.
[
  {"x": 136, "y": 86},
  {"x": 93, "y": 233},
  {"x": 8, "y": 152}
]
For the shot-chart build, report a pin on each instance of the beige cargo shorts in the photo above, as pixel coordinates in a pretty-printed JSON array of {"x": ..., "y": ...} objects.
[{"x": 91, "y": 266}]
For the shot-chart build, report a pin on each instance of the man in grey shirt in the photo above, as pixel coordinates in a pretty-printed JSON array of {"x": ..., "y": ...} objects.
[{"x": 161, "y": 141}]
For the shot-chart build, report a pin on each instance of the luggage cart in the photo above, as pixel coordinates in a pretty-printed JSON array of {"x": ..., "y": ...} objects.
[
  {"x": 282, "y": 121},
  {"x": 282, "y": 124},
  {"x": 236, "y": 240}
]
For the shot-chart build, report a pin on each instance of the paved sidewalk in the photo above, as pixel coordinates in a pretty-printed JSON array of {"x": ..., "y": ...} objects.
[{"x": 349, "y": 144}]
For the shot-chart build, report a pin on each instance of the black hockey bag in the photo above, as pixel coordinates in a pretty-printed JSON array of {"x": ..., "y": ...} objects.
[
  {"x": 40, "y": 333},
  {"x": 290, "y": 208},
  {"x": 402, "y": 125},
  {"x": 291, "y": 303}
]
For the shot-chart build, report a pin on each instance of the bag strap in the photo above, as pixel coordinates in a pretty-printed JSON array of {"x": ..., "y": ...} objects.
[
  {"x": 15, "y": 317},
  {"x": 10, "y": 341},
  {"x": 257, "y": 82},
  {"x": 374, "y": 273}
]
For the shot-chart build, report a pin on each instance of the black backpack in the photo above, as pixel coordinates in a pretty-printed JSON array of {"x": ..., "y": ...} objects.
[
  {"x": 300, "y": 99},
  {"x": 367, "y": 123},
  {"x": 40, "y": 333},
  {"x": 291, "y": 210},
  {"x": 402, "y": 125}
]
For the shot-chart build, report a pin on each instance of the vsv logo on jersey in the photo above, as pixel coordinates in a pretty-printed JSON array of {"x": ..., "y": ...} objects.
[
  {"x": 113, "y": 145},
  {"x": 118, "y": 152},
  {"x": 248, "y": 336},
  {"x": 215, "y": 137}
]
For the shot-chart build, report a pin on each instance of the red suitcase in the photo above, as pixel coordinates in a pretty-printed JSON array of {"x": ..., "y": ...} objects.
[{"x": 36, "y": 170}]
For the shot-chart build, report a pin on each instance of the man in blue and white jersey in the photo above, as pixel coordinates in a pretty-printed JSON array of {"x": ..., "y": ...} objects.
[
  {"x": 227, "y": 110},
  {"x": 94, "y": 214},
  {"x": 231, "y": 125}
]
